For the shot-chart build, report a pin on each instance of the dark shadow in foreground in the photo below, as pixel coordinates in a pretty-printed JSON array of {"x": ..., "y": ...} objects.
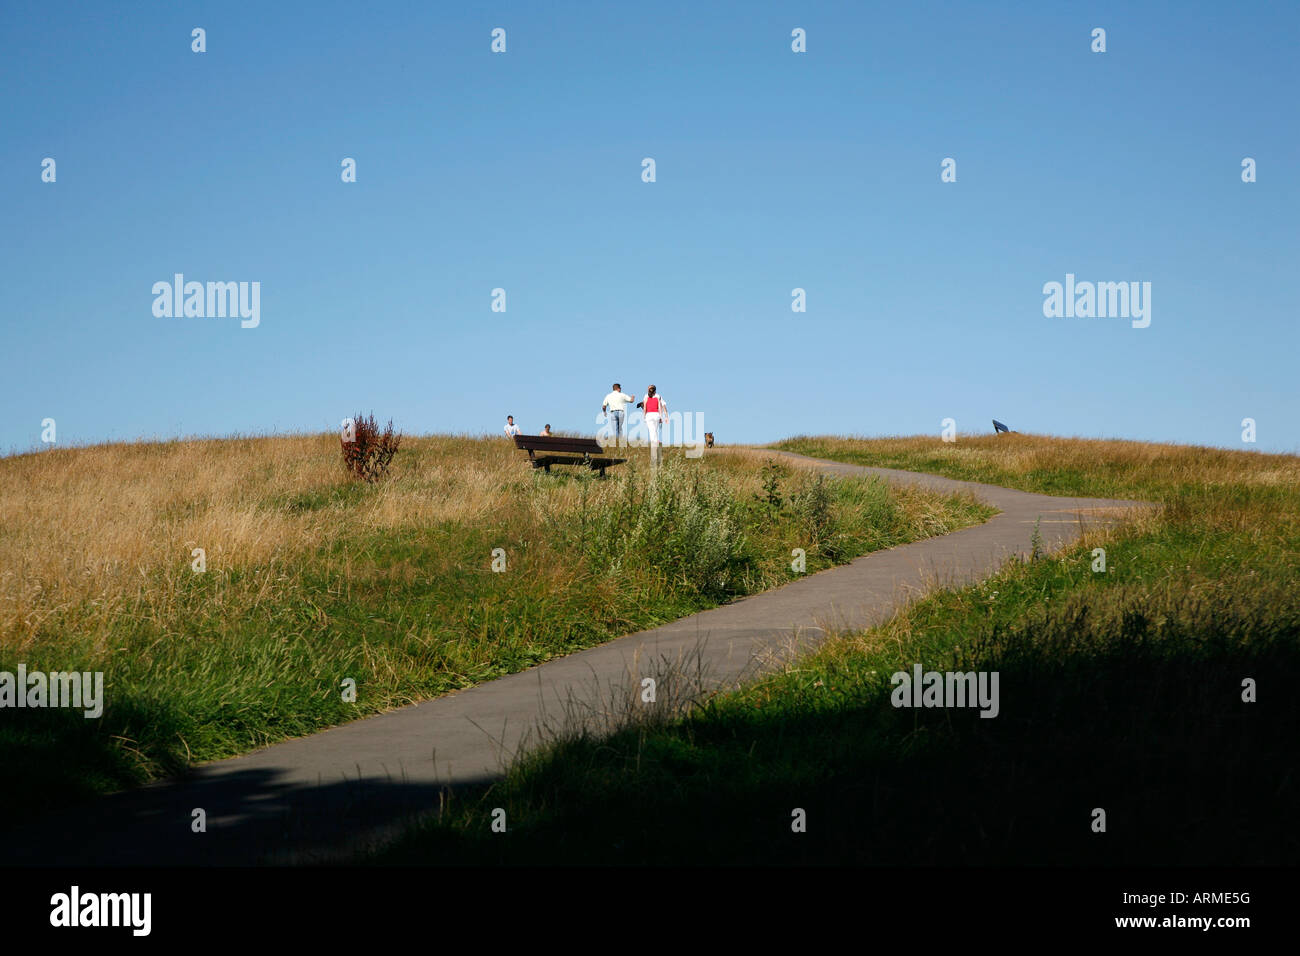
[{"x": 1146, "y": 722}]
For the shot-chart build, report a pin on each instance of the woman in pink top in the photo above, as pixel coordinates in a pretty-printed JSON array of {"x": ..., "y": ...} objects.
[{"x": 655, "y": 409}]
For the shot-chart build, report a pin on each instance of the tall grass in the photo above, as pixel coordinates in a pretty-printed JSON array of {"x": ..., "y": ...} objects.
[
  {"x": 1121, "y": 690},
  {"x": 1099, "y": 468},
  {"x": 312, "y": 578}
]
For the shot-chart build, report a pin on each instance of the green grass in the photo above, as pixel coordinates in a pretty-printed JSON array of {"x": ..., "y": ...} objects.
[
  {"x": 203, "y": 666},
  {"x": 1119, "y": 690}
]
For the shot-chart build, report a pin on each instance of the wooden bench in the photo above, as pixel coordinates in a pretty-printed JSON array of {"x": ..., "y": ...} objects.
[{"x": 547, "y": 450}]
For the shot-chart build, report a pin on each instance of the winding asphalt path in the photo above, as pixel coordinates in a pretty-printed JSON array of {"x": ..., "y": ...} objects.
[{"x": 322, "y": 796}]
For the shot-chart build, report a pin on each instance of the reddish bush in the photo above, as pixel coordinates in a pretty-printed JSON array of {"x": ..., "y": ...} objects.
[{"x": 370, "y": 451}]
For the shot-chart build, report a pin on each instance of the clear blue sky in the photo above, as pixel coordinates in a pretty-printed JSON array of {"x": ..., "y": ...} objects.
[{"x": 775, "y": 170}]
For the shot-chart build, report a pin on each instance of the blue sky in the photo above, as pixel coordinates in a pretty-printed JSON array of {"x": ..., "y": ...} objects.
[{"x": 775, "y": 170}]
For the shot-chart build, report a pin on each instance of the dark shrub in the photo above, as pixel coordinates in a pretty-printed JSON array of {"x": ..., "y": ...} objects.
[{"x": 371, "y": 451}]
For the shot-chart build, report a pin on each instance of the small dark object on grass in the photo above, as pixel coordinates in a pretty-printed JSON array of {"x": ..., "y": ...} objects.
[
  {"x": 999, "y": 427},
  {"x": 369, "y": 453}
]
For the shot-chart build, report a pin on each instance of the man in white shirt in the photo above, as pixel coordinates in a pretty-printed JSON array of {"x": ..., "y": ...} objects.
[
  {"x": 511, "y": 428},
  {"x": 615, "y": 405}
]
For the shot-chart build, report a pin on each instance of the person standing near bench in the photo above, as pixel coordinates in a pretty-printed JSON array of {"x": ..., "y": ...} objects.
[
  {"x": 511, "y": 428},
  {"x": 615, "y": 406},
  {"x": 655, "y": 409}
]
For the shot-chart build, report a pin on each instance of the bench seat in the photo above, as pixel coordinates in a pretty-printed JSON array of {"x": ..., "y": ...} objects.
[{"x": 547, "y": 450}]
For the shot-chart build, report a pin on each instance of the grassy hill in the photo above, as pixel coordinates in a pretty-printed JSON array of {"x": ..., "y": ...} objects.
[
  {"x": 1121, "y": 690},
  {"x": 310, "y": 579}
]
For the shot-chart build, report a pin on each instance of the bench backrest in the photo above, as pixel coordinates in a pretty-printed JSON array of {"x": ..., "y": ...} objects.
[{"x": 582, "y": 446}]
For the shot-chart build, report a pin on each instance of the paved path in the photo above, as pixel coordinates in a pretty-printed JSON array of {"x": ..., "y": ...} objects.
[{"x": 312, "y": 797}]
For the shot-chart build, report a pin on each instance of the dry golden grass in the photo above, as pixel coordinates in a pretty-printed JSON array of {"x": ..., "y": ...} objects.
[
  {"x": 94, "y": 533},
  {"x": 95, "y": 530},
  {"x": 1146, "y": 464}
]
